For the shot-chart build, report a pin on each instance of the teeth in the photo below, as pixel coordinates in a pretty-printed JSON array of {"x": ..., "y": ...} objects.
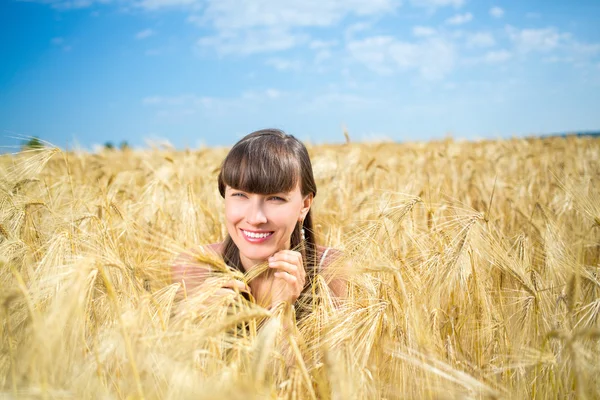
[{"x": 256, "y": 235}]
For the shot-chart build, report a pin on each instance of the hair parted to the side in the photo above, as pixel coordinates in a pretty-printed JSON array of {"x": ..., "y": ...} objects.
[{"x": 265, "y": 162}]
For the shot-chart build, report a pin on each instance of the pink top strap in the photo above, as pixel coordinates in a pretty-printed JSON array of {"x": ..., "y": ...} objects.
[{"x": 323, "y": 257}]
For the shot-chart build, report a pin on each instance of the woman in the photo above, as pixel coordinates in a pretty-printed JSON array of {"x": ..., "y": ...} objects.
[{"x": 268, "y": 187}]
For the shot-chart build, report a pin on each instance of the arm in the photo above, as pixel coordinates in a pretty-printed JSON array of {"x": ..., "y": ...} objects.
[
  {"x": 335, "y": 270},
  {"x": 193, "y": 270}
]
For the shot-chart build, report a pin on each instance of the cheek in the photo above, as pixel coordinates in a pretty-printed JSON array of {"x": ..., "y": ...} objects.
[
  {"x": 289, "y": 216},
  {"x": 232, "y": 213}
]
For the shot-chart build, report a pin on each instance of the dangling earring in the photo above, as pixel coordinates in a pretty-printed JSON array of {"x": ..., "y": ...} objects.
[{"x": 302, "y": 236}]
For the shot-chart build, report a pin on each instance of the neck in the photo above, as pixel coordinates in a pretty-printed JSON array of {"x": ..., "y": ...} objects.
[{"x": 248, "y": 264}]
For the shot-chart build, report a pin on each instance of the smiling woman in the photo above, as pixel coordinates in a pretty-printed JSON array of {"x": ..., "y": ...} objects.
[{"x": 268, "y": 187}]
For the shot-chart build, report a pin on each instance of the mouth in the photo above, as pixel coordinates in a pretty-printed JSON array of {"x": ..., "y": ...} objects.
[{"x": 256, "y": 236}]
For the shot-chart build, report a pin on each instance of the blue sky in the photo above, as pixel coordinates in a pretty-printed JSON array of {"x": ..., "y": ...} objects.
[{"x": 194, "y": 72}]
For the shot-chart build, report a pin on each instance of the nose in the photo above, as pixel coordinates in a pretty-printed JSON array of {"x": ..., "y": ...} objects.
[{"x": 256, "y": 215}]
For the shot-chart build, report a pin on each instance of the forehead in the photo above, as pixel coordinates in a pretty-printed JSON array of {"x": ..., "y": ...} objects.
[
  {"x": 260, "y": 170},
  {"x": 295, "y": 189}
]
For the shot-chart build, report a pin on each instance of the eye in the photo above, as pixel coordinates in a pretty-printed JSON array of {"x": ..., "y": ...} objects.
[
  {"x": 238, "y": 194},
  {"x": 277, "y": 198}
]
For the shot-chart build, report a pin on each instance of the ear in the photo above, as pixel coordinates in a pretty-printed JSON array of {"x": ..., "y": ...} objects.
[{"x": 306, "y": 204}]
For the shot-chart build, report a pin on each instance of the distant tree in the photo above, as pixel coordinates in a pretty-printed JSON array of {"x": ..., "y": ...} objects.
[
  {"x": 33, "y": 143},
  {"x": 124, "y": 145},
  {"x": 109, "y": 146}
]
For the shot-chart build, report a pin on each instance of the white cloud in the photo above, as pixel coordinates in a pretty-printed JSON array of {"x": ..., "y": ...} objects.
[
  {"x": 261, "y": 94},
  {"x": 336, "y": 100},
  {"x": 322, "y": 44},
  {"x": 460, "y": 19},
  {"x": 450, "y": 85},
  {"x": 433, "y": 4},
  {"x": 555, "y": 59},
  {"x": 423, "y": 31},
  {"x": 586, "y": 49},
  {"x": 189, "y": 104},
  {"x": 146, "y": 33},
  {"x": 158, "y": 4},
  {"x": 544, "y": 40},
  {"x": 233, "y": 14},
  {"x": 60, "y": 42},
  {"x": 273, "y": 93},
  {"x": 71, "y": 4},
  {"x": 261, "y": 26},
  {"x": 355, "y": 28},
  {"x": 480, "y": 39},
  {"x": 558, "y": 46},
  {"x": 282, "y": 64},
  {"x": 252, "y": 41},
  {"x": 496, "y": 12},
  {"x": 322, "y": 55},
  {"x": 494, "y": 57},
  {"x": 153, "y": 52},
  {"x": 373, "y": 52},
  {"x": 432, "y": 58}
]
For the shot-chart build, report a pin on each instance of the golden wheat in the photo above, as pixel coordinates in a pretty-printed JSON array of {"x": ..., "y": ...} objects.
[{"x": 475, "y": 274}]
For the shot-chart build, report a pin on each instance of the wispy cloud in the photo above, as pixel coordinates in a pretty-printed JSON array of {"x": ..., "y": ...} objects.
[
  {"x": 60, "y": 42},
  {"x": 283, "y": 64},
  {"x": 253, "y": 41},
  {"x": 351, "y": 31},
  {"x": 72, "y": 4},
  {"x": 191, "y": 104},
  {"x": 233, "y": 14},
  {"x": 480, "y": 39},
  {"x": 159, "y": 4},
  {"x": 270, "y": 25},
  {"x": 557, "y": 45},
  {"x": 153, "y": 52},
  {"x": 433, "y": 4},
  {"x": 325, "y": 101},
  {"x": 423, "y": 31},
  {"x": 494, "y": 57},
  {"x": 544, "y": 40},
  {"x": 146, "y": 33},
  {"x": 322, "y": 44},
  {"x": 460, "y": 19},
  {"x": 496, "y": 12},
  {"x": 432, "y": 58}
]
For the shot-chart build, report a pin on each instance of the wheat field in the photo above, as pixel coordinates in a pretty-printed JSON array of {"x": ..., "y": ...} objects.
[{"x": 475, "y": 273}]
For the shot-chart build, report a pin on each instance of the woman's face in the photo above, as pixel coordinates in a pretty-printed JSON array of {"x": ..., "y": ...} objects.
[{"x": 261, "y": 225}]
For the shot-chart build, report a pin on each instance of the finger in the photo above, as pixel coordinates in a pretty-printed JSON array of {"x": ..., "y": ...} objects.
[
  {"x": 236, "y": 285},
  {"x": 290, "y": 257},
  {"x": 291, "y": 279},
  {"x": 224, "y": 292},
  {"x": 290, "y": 269},
  {"x": 293, "y": 257}
]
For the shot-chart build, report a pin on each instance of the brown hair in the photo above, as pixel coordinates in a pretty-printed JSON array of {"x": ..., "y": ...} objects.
[{"x": 265, "y": 162}]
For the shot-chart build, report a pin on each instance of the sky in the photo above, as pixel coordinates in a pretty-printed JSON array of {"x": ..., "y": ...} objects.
[{"x": 193, "y": 73}]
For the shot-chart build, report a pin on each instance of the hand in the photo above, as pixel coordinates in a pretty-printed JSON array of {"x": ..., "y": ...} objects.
[
  {"x": 235, "y": 286},
  {"x": 289, "y": 278}
]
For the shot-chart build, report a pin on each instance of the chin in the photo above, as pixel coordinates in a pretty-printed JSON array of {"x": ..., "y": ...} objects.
[{"x": 254, "y": 251}]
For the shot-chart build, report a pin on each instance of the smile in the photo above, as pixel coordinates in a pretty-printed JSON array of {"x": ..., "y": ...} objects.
[{"x": 256, "y": 237}]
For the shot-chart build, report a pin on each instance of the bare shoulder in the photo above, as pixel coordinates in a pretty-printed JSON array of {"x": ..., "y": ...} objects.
[
  {"x": 334, "y": 268},
  {"x": 216, "y": 248},
  {"x": 328, "y": 255},
  {"x": 187, "y": 265}
]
